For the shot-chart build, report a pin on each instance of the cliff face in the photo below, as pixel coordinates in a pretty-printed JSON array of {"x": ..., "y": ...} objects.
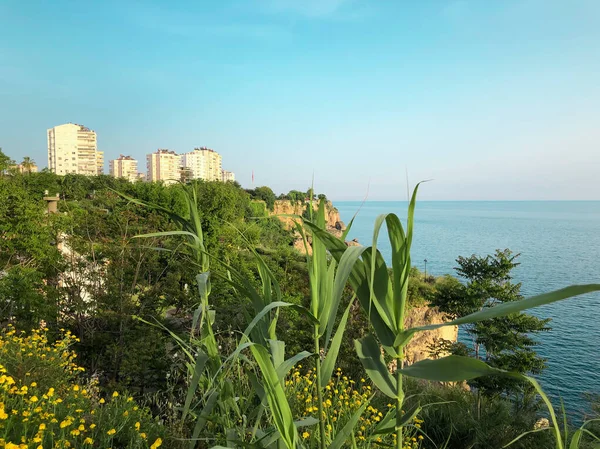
[
  {"x": 418, "y": 348},
  {"x": 284, "y": 209},
  {"x": 287, "y": 207}
]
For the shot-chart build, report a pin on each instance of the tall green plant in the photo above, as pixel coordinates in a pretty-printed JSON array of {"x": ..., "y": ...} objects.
[
  {"x": 383, "y": 295},
  {"x": 327, "y": 283},
  {"x": 208, "y": 370}
]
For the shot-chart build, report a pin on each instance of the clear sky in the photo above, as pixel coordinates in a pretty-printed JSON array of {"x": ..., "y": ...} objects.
[{"x": 493, "y": 99}]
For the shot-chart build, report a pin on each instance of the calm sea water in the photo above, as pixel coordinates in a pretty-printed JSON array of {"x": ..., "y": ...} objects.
[{"x": 559, "y": 244}]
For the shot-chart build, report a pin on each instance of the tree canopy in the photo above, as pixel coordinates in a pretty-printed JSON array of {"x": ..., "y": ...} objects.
[{"x": 505, "y": 343}]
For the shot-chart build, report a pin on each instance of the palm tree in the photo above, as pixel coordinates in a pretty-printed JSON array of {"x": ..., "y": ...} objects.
[{"x": 27, "y": 164}]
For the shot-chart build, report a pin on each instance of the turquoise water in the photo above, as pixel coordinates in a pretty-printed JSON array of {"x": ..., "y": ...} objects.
[{"x": 559, "y": 244}]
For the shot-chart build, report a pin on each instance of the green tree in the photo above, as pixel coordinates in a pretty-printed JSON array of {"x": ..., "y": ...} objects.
[
  {"x": 22, "y": 298},
  {"x": 296, "y": 195},
  {"x": 5, "y": 162},
  {"x": 265, "y": 194},
  {"x": 506, "y": 342},
  {"x": 27, "y": 164}
]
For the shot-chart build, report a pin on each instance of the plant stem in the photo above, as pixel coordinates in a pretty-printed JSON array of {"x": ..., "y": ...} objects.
[
  {"x": 399, "y": 397},
  {"x": 322, "y": 443}
]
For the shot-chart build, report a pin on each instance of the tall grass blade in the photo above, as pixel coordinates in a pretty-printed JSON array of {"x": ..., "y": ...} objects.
[
  {"x": 199, "y": 365},
  {"x": 285, "y": 367},
  {"x": 344, "y": 269},
  {"x": 332, "y": 354},
  {"x": 348, "y": 429},
  {"x": 279, "y": 406},
  {"x": 385, "y": 428},
  {"x": 525, "y": 434},
  {"x": 203, "y": 417}
]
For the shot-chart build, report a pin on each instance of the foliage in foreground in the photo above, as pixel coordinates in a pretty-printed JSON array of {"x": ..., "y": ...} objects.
[
  {"x": 230, "y": 327},
  {"x": 44, "y": 405},
  {"x": 382, "y": 293}
]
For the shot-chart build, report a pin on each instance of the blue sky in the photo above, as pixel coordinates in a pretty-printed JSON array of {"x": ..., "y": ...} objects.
[{"x": 493, "y": 99}]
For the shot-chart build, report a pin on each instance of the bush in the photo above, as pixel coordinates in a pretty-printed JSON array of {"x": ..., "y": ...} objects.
[
  {"x": 457, "y": 419},
  {"x": 45, "y": 403}
]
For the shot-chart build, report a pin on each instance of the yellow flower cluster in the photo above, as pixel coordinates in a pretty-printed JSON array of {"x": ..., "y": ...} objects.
[
  {"x": 341, "y": 398},
  {"x": 43, "y": 406}
]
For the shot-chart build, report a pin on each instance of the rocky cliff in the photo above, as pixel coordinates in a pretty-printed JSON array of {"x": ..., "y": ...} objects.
[
  {"x": 418, "y": 348},
  {"x": 284, "y": 208}
]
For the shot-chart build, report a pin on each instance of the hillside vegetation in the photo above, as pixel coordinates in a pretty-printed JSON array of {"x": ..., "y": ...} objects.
[{"x": 182, "y": 316}]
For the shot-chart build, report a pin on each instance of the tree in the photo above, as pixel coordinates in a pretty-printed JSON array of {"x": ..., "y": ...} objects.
[
  {"x": 5, "y": 162},
  {"x": 265, "y": 194},
  {"x": 27, "y": 164},
  {"x": 505, "y": 342},
  {"x": 296, "y": 195}
]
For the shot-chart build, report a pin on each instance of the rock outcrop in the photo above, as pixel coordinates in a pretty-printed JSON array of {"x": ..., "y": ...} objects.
[
  {"x": 418, "y": 348},
  {"x": 286, "y": 209}
]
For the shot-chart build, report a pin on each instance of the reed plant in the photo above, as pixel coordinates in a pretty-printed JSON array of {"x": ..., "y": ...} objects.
[
  {"x": 381, "y": 291},
  {"x": 383, "y": 295}
]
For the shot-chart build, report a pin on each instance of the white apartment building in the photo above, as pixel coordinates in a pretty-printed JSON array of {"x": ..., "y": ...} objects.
[
  {"x": 73, "y": 148},
  {"x": 227, "y": 176},
  {"x": 124, "y": 167},
  {"x": 163, "y": 165},
  {"x": 203, "y": 163}
]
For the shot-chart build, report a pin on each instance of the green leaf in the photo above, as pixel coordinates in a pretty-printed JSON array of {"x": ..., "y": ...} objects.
[
  {"x": 275, "y": 305},
  {"x": 203, "y": 417},
  {"x": 370, "y": 356},
  {"x": 193, "y": 236},
  {"x": 203, "y": 281},
  {"x": 280, "y": 408},
  {"x": 453, "y": 368},
  {"x": 347, "y": 230},
  {"x": 277, "y": 349},
  {"x": 508, "y": 308},
  {"x": 384, "y": 428},
  {"x": 332, "y": 354},
  {"x": 348, "y": 430},
  {"x": 400, "y": 264},
  {"x": 191, "y": 391},
  {"x": 349, "y": 258},
  {"x": 285, "y": 367}
]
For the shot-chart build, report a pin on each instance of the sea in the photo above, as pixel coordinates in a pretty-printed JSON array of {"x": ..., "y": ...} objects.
[{"x": 559, "y": 245}]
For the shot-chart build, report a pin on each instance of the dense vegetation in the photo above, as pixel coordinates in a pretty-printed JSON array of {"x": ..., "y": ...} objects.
[{"x": 210, "y": 319}]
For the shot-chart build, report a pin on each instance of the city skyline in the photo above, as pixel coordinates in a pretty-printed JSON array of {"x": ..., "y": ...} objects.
[
  {"x": 492, "y": 100},
  {"x": 73, "y": 149}
]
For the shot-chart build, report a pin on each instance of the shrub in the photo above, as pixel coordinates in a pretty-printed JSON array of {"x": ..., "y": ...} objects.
[{"x": 44, "y": 402}]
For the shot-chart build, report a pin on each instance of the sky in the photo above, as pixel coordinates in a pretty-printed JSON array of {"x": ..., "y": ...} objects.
[{"x": 491, "y": 99}]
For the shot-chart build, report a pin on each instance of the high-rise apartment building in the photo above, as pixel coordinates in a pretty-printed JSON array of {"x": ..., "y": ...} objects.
[
  {"x": 163, "y": 165},
  {"x": 203, "y": 163},
  {"x": 124, "y": 167},
  {"x": 227, "y": 176},
  {"x": 74, "y": 149}
]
